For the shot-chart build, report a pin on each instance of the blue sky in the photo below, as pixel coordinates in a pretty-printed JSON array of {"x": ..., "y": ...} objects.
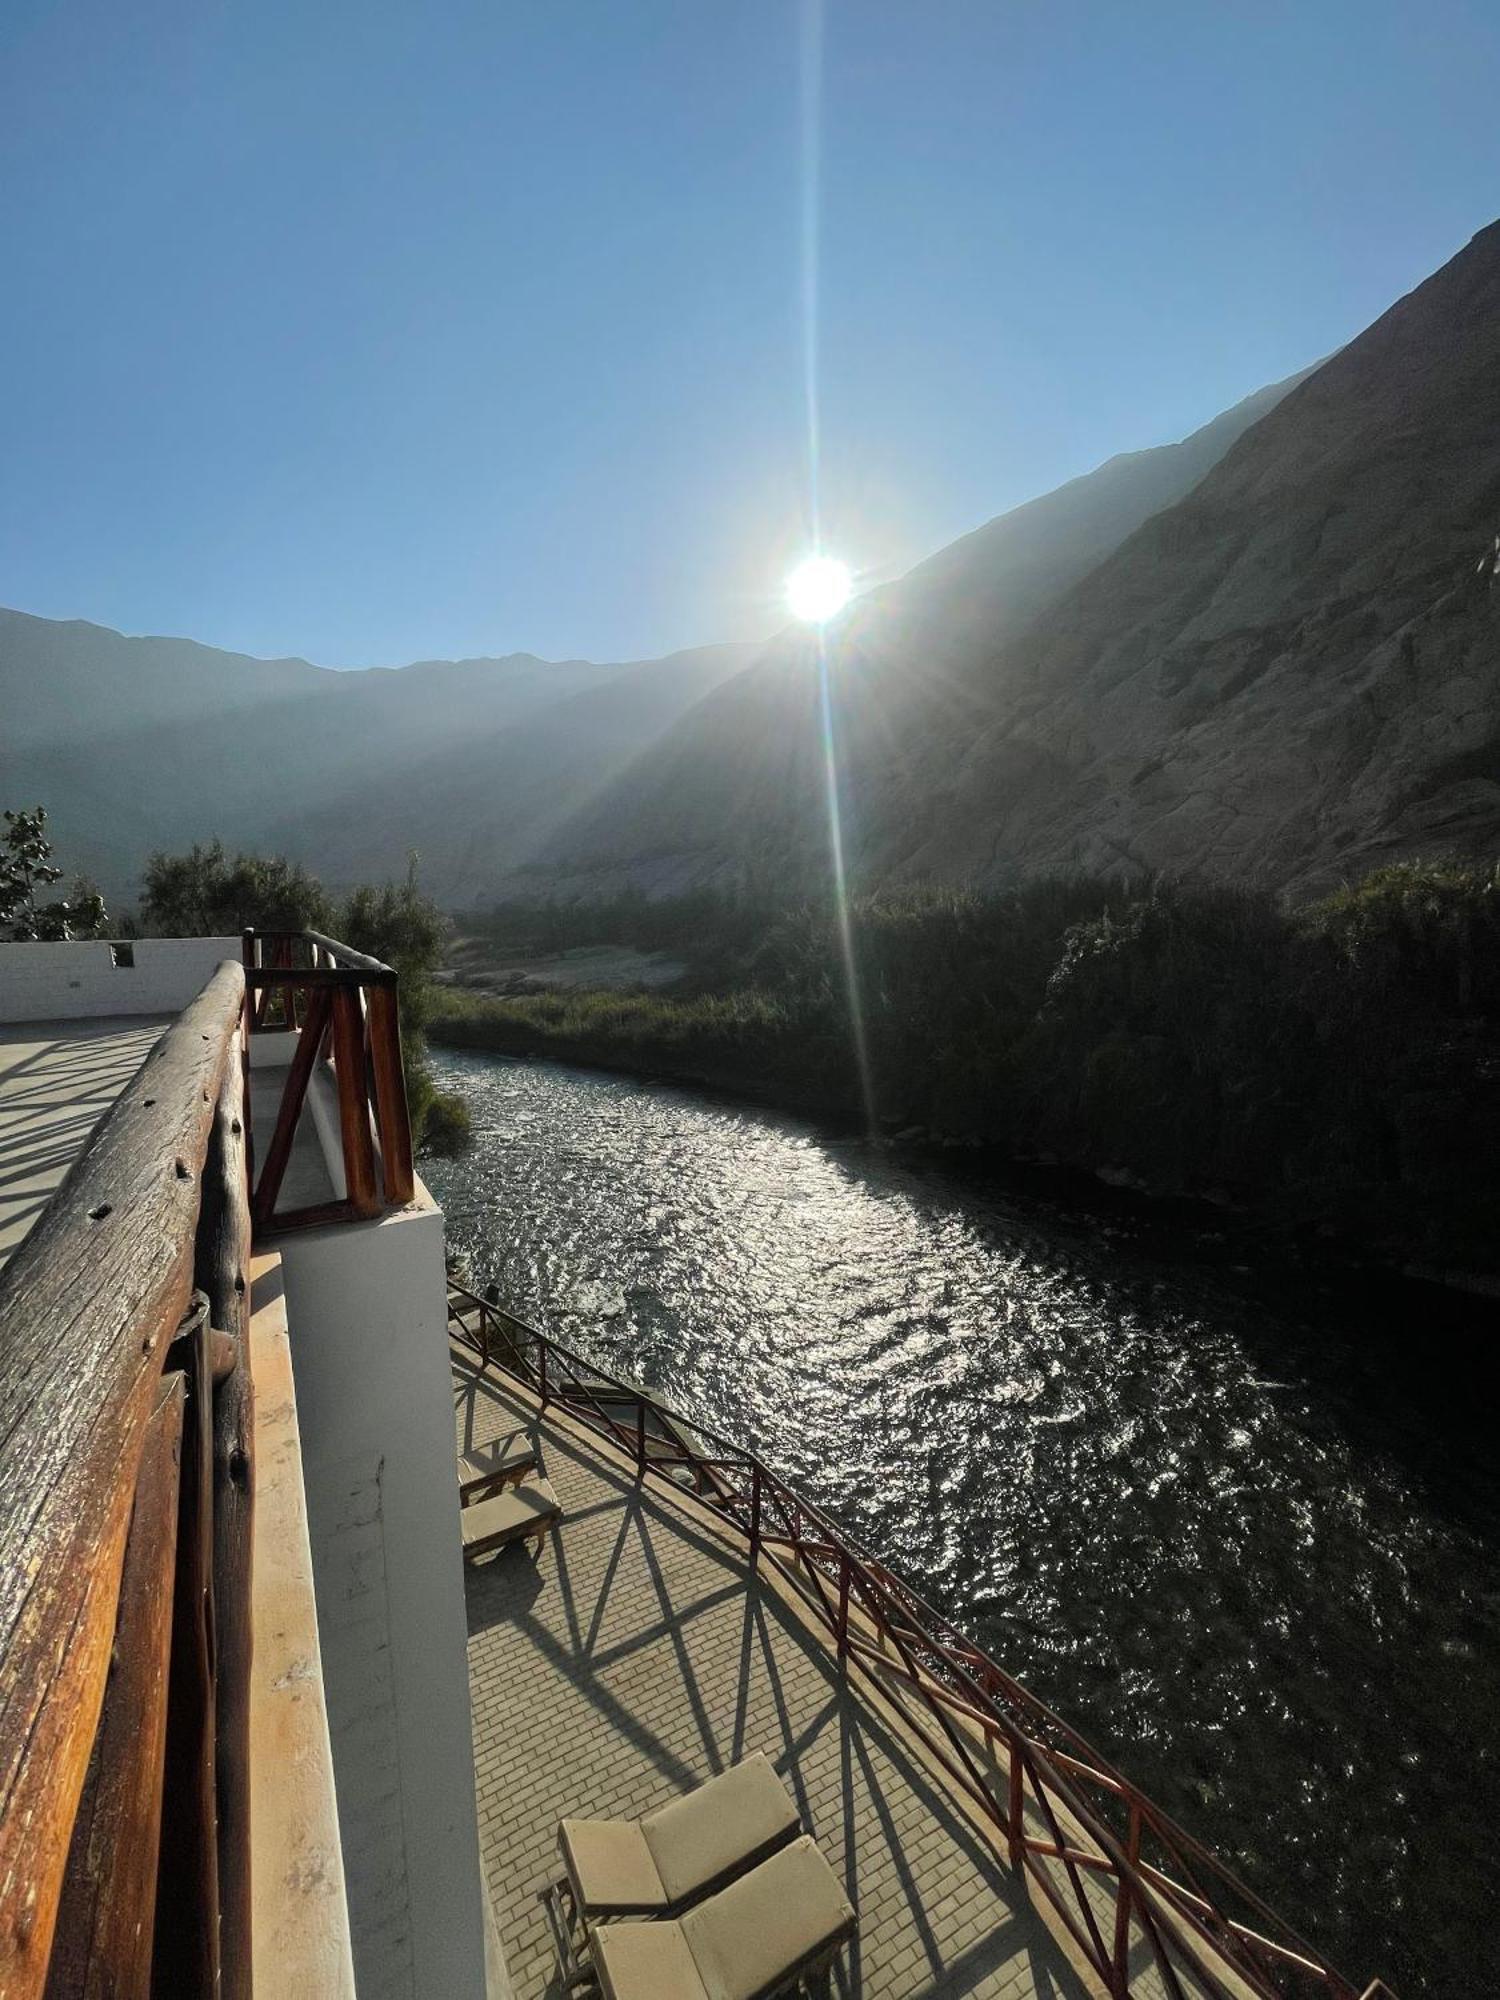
[{"x": 375, "y": 332}]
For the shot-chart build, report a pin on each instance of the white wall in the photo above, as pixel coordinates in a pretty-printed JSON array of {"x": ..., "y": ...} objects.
[
  {"x": 79, "y": 981},
  {"x": 367, "y": 1311}
]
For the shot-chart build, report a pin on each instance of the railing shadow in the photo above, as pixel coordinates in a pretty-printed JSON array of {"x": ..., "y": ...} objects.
[{"x": 840, "y": 1760}]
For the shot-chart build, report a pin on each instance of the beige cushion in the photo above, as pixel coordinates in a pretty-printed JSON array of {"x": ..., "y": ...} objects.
[
  {"x": 496, "y": 1460},
  {"x": 720, "y": 1828},
  {"x": 645, "y": 1962},
  {"x": 610, "y": 1866},
  {"x": 521, "y": 1511},
  {"x": 748, "y": 1939}
]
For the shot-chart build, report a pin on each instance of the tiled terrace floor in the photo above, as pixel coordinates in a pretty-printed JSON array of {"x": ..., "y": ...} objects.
[{"x": 634, "y": 1659}]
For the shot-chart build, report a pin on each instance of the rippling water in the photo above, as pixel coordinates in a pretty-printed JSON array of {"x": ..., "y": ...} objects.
[{"x": 1269, "y": 1595}]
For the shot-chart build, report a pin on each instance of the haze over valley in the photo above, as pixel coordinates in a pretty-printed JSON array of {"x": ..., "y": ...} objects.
[{"x": 1265, "y": 654}]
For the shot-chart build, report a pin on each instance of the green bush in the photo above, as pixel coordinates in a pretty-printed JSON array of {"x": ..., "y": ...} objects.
[{"x": 447, "y": 1128}]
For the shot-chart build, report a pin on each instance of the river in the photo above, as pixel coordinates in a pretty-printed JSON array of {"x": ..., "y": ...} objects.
[{"x": 1238, "y": 1531}]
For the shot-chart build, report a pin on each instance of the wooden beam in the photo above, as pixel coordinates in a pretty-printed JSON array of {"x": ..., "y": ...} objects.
[
  {"x": 88, "y": 1305},
  {"x": 187, "y": 1898},
  {"x": 223, "y": 1272},
  {"x": 346, "y": 955},
  {"x": 102, "y": 1948},
  {"x": 391, "y": 1108},
  {"x": 293, "y": 1096},
  {"x": 266, "y": 978},
  {"x": 354, "y": 1105}
]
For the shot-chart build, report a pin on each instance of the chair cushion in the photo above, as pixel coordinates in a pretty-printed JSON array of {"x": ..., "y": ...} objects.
[
  {"x": 721, "y": 1828},
  {"x": 610, "y": 1867},
  {"x": 496, "y": 1460},
  {"x": 645, "y": 1962},
  {"x": 521, "y": 1511},
  {"x": 752, "y": 1936}
]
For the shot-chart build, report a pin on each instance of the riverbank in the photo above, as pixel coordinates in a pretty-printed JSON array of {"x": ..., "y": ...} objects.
[{"x": 1329, "y": 1076}]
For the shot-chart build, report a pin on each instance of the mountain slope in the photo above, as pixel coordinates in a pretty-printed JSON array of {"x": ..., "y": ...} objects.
[
  {"x": 477, "y": 810},
  {"x": 738, "y": 784},
  {"x": 1294, "y": 673},
  {"x": 993, "y": 583},
  {"x": 1291, "y": 672},
  {"x": 139, "y": 743},
  {"x": 479, "y": 765}
]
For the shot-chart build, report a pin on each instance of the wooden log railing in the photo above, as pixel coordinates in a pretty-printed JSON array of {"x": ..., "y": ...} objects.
[
  {"x": 1148, "y": 1907},
  {"x": 126, "y": 1487},
  {"x": 341, "y": 1005}
]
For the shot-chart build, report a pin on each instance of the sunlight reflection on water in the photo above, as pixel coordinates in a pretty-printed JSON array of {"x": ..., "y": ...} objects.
[{"x": 1088, "y": 1458}]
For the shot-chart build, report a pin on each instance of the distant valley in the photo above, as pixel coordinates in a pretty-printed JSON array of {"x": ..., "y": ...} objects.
[{"x": 1268, "y": 653}]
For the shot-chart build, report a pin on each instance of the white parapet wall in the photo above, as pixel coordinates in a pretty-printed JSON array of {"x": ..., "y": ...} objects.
[
  {"x": 367, "y": 1312},
  {"x": 91, "y": 979}
]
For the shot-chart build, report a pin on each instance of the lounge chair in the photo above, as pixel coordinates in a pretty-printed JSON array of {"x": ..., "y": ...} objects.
[
  {"x": 682, "y": 1852},
  {"x": 527, "y": 1510},
  {"x": 495, "y": 1464},
  {"x": 782, "y": 1923}
]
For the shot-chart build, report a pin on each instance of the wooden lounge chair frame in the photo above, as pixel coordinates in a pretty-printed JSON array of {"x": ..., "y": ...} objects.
[
  {"x": 815, "y": 1963},
  {"x": 491, "y": 1467},
  {"x": 570, "y": 1922},
  {"x": 520, "y": 1527}
]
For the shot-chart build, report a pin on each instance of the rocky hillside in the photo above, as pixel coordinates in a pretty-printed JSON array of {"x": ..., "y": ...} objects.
[{"x": 1291, "y": 673}]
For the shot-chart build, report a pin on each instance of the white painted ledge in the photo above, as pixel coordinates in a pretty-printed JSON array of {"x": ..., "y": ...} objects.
[{"x": 300, "y": 1915}]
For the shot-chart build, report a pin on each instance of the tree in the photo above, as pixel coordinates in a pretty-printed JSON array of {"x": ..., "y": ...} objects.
[
  {"x": 406, "y": 929},
  {"x": 206, "y": 894},
  {"x": 26, "y": 866}
]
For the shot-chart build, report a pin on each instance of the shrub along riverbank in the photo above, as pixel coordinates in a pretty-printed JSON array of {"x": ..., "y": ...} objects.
[{"x": 1335, "y": 1067}]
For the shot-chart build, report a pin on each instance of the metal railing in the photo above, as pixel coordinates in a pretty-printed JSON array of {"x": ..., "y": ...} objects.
[
  {"x": 1136, "y": 1893},
  {"x": 342, "y": 1006}
]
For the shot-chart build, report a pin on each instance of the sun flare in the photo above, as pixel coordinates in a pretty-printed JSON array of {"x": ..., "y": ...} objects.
[{"x": 818, "y": 589}]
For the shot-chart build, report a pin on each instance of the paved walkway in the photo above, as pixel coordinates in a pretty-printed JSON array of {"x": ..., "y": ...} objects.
[
  {"x": 57, "y": 1079},
  {"x": 634, "y": 1659}
]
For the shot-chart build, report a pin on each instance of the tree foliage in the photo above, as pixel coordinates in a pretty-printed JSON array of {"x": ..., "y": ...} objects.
[
  {"x": 208, "y": 893},
  {"x": 27, "y": 868},
  {"x": 1334, "y": 1066}
]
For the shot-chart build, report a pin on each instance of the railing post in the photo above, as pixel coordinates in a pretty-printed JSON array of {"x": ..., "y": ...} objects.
[
  {"x": 354, "y": 1105},
  {"x": 843, "y": 1606},
  {"x": 1122, "y": 1902},
  {"x": 391, "y": 1110},
  {"x": 640, "y": 1436},
  {"x": 1016, "y": 1819},
  {"x": 755, "y": 1519},
  {"x": 541, "y": 1368}
]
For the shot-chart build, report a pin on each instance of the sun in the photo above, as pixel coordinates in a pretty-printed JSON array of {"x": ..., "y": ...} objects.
[{"x": 818, "y": 589}]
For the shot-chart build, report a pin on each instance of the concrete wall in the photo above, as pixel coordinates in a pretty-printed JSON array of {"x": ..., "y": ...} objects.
[
  {"x": 81, "y": 981},
  {"x": 367, "y": 1312}
]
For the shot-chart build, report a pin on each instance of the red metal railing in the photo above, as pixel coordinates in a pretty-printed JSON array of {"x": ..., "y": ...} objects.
[
  {"x": 341, "y": 1004},
  {"x": 1136, "y": 1893}
]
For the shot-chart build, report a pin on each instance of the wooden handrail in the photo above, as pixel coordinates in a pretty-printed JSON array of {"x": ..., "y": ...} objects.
[
  {"x": 343, "y": 1003},
  {"x": 343, "y": 956},
  {"x": 887, "y": 1631},
  {"x": 89, "y": 1307},
  {"x": 346, "y": 956}
]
